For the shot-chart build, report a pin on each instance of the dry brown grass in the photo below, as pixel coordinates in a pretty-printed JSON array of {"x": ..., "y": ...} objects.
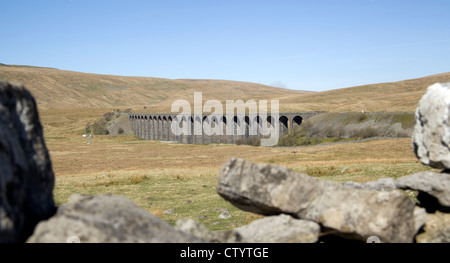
[
  {"x": 393, "y": 96},
  {"x": 60, "y": 89},
  {"x": 159, "y": 176},
  {"x": 71, "y": 155},
  {"x": 74, "y": 156},
  {"x": 67, "y": 89},
  {"x": 109, "y": 180}
]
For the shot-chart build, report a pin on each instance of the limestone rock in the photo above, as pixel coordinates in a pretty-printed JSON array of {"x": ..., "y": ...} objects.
[
  {"x": 280, "y": 229},
  {"x": 354, "y": 213},
  {"x": 169, "y": 211},
  {"x": 420, "y": 217},
  {"x": 224, "y": 215},
  {"x": 26, "y": 174},
  {"x": 431, "y": 136},
  {"x": 383, "y": 184},
  {"x": 436, "y": 229},
  {"x": 195, "y": 228},
  {"x": 106, "y": 219},
  {"x": 434, "y": 189}
]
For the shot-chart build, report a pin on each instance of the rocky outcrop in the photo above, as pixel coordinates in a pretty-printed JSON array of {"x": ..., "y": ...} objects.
[
  {"x": 431, "y": 136},
  {"x": 106, "y": 219},
  {"x": 353, "y": 213},
  {"x": 26, "y": 175}
]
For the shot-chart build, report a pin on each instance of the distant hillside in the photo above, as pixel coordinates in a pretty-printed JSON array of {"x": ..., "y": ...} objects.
[
  {"x": 55, "y": 89},
  {"x": 59, "y": 89},
  {"x": 393, "y": 96}
]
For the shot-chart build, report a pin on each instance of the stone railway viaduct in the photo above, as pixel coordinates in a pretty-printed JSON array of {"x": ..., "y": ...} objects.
[{"x": 158, "y": 126}]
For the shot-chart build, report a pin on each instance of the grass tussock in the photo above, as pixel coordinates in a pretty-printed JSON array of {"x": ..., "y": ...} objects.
[
  {"x": 110, "y": 180},
  {"x": 252, "y": 217},
  {"x": 252, "y": 141},
  {"x": 316, "y": 171}
]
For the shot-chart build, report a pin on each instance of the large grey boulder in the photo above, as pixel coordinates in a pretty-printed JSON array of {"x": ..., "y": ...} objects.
[
  {"x": 434, "y": 189},
  {"x": 279, "y": 229},
  {"x": 431, "y": 136},
  {"x": 271, "y": 229},
  {"x": 26, "y": 174},
  {"x": 106, "y": 219},
  {"x": 353, "y": 213}
]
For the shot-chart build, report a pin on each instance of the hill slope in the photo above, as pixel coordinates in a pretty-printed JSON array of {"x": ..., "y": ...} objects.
[
  {"x": 393, "y": 96},
  {"x": 59, "y": 89},
  {"x": 55, "y": 89}
]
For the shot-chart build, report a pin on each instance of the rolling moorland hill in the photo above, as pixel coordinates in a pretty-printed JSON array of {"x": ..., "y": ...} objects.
[
  {"x": 57, "y": 89},
  {"x": 391, "y": 96},
  {"x": 60, "y": 89}
]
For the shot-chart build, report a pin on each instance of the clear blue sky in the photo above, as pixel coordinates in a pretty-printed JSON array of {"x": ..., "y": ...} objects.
[{"x": 307, "y": 45}]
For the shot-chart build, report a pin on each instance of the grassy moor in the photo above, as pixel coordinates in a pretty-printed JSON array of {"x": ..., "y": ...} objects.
[{"x": 176, "y": 181}]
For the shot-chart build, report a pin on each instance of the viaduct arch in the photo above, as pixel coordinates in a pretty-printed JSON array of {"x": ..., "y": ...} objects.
[{"x": 157, "y": 126}]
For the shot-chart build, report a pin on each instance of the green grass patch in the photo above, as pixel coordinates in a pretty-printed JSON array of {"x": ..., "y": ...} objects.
[
  {"x": 190, "y": 196},
  {"x": 406, "y": 119},
  {"x": 295, "y": 140},
  {"x": 362, "y": 172}
]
